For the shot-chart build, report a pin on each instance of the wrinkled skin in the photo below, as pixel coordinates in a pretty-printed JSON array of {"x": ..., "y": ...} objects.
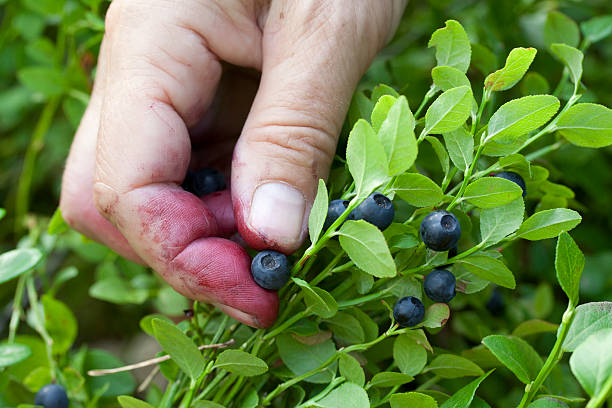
[{"x": 257, "y": 89}]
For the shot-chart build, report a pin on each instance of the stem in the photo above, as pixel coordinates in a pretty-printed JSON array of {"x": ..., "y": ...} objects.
[
  {"x": 430, "y": 94},
  {"x": 386, "y": 398},
  {"x": 485, "y": 99},
  {"x": 211, "y": 386},
  {"x": 598, "y": 400},
  {"x": 330, "y": 268},
  {"x": 322, "y": 394},
  {"x": 288, "y": 323},
  {"x": 363, "y": 299},
  {"x": 40, "y": 325},
  {"x": 466, "y": 178},
  {"x": 433, "y": 380},
  {"x": 17, "y": 309},
  {"x": 448, "y": 178},
  {"x": 237, "y": 386},
  {"x": 171, "y": 392}
]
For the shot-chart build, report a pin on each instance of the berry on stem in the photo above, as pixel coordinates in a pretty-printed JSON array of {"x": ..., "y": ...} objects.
[
  {"x": 440, "y": 230},
  {"x": 514, "y": 177},
  {"x": 377, "y": 209},
  {"x": 204, "y": 181},
  {"x": 408, "y": 311},
  {"x": 270, "y": 270},
  {"x": 335, "y": 209},
  {"x": 439, "y": 285},
  {"x": 52, "y": 396}
]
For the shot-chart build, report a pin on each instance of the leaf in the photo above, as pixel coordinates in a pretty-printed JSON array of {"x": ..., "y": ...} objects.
[
  {"x": 517, "y": 64},
  {"x": 572, "y": 58},
  {"x": 569, "y": 264},
  {"x": 591, "y": 362},
  {"x": 451, "y": 366},
  {"x": 397, "y": 136},
  {"x": 381, "y": 110},
  {"x": 112, "y": 384},
  {"x": 547, "y": 403},
  {"x": 409, "y": 356},
  {"x": 390, "y": 379},
  {"x": 318, "y": 300},
  {"x": 117, "y": 290},
  {"x": 180, "y": 347},
  {"x": 366, "y": 158},
  {"x": 521, "y": 116},
  {"x": 13, "y": 353},
  {"x": 534, "y": 326},
  {"x": 516, "y": 354},
  {"x": 518, "y": 162},
  {"x": 548, "y": 224},
  {"x": 366, "y": 246},
  {"x": 318, "y": 213},
  {"x": 589, "y": 318},
  {"x": 381, "y": 90},
  {"x": 208, "y": 404},
  {"x": 483, "y": 59},
  {"x": 301, "y": 358},
  {"x": 2, "y": 213},
  {"x": 60, "y": 323},
  {"x": 452, "y": 46},
  {"x": 440, "y": 152},
  {"x": 449, "y": 111},
  {"x": 18, "y": 261},
  {"x": 346, "y": 395},
  {"x": 490, "y": 269},
  {"x": 491, "y": 192},
  {"x": 560, "y": 29},
  {"x": 48, "y": 81},
  {"x": 587, "y": 125},
  {"x": 351, "y": 369},
  {"x": 597, "y": 28},
  {"x": 240, "y": 362},
  {"x": 417, "y": 190},
  {"x": 412, "y": 400},
  {"x": 57, "y": 225},
  {"x": 534, "y": 84},
  {"x": 497, "y": 223},
  {"x": 130, "y": 402},
  {"x": 361, "y": 107},
  {"x": 436, "y": 315},
  {"x": 463, "y": 398},
  {"x": 460, "y": 145},
  {"x": 346, "y": 327},
  {"x": 445, "y": 78}
]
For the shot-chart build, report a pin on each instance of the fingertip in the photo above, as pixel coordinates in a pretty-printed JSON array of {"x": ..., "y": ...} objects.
[{"x": 220, "y": 203}]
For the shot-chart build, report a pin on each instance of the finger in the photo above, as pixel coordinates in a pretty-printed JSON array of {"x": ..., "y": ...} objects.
[
  {"x": 313, "y": 56},
  {"x": 159, "y": 87},
  {"x": 220, "y": 204}
]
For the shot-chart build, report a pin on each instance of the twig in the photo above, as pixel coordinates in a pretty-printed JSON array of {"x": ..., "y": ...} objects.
[
  {"x": 147, "y": 363},
  {"x": 148, "y": 379}
]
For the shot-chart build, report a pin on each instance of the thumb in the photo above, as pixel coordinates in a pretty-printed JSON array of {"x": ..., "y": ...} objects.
[{"x": 313, "y": 58}]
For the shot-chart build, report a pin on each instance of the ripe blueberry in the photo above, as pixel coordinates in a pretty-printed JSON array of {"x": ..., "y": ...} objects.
[
  {"x": 439, "y": 285},
  {"x": 203, "y": 181},
  {"x": 514, "y": 177},
  {"x": 377, "y": 209},
  {"x": 52, "y": 396},
  {"x": 440, "y": 230},
  {"x": 496, "y": 304},
  {"x": 409, "y": 311},
  {"x": 335, "y": 209},
  {"x": 270, "y": 270}
]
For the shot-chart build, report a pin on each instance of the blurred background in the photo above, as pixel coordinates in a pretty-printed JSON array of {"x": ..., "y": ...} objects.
[{"x": 48, "y": 53}]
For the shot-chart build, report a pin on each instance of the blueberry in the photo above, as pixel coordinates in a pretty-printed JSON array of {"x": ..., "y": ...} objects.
[
  {"x": 440, "y": 230},
  {"x": 270, "y": 270},
  {"x": 52, "y": 396},
  {"x": 439, "y": 285},
  {"x": 514, "y": 177},
  {"x": 335, "y": 209},
  {"x": 377, "y": 209},
  {"x": 409, "y": 311},
  {"x": 204, "y": 181},
  {"x": 452, "y": 252},
  {"x": 496, "y": 304}
]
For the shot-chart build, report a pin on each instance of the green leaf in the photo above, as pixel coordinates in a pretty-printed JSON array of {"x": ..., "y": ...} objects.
[
  {"x": 18, "y": 261},
  {"x": 381, "y": 110},
  {"x": 301, "y": 358},
  {"x": 48, "y": 81},
  {"x": 60, "y": 324},
  {"x": 118, "y": 290},
  {"x": 209, "y": 404},
  {"x": 591, "y": 362},
  {"x": 491, "y": 192},
  {"x": 521, "y": 116},
  {"x": 561, "y": 29},
  {"x": 452, "y": 46},
  {"x": 548, "y": 224},
  {"x": 346, "y": 328},
  {"x": 318, "y": 300},
  {"x": 463, "y": 398},
  {"x": 361, "y": 107},
  {"x": 587, "y": 125},
  {"x": 130, "y": 402},
  {"x": 2, "y": 213},
  {"x": 445, "y": 78},
  {"x": 534, "y": 326},
  {"x": 517, "y": 64},
  {"x": 547, "y": 403},
  {"x": 390, "y": 379},
  {"x": 381, "y": 90},
  {"x": 460, "y": 145},
  {"x": 440, "y": 152},
  {"x": 483, "y": 59},
  {"x": 146, "y": 323},
  {"x": 346, "y": 395},
  {"x": 412, "y": 400},
  {"x": 13, "y": 353},
  {"x": 589, "y": 318},
  {"x": 397, "y": 136},
  {"x": 597, "y": 28},
  {"x": 351, "y": 369},
  {"x": 534, "y": 84},
  {"x": 572, "y": 58},
  {"x": 569, "y": 264},
  {"x": 240, "y": 362},
  {"x": 318, "y": 212},
  {"x": 516, "y": 354},
  {"x": 497, "y": 223},
  {"x": 112, "y": 384},
  {"x": 409, "y": 356},
  {"x": 518, "y": 162},
  {"x": 57, "y": 225},
  {"x": 417, "y": 190},
  {"x": 180, "y": 347},
  {"x": 366, "y": 158},
  {"x": 366, "y": 246},
  {"x": 436, "y": 315},
  {"x": 451, "y": 366},
  {"x": 490, "y": 269},
  {"x": 449, "y": 111}
]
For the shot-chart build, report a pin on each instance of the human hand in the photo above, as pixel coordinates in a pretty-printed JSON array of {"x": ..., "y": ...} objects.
[{"x": 152, "y": 111}]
